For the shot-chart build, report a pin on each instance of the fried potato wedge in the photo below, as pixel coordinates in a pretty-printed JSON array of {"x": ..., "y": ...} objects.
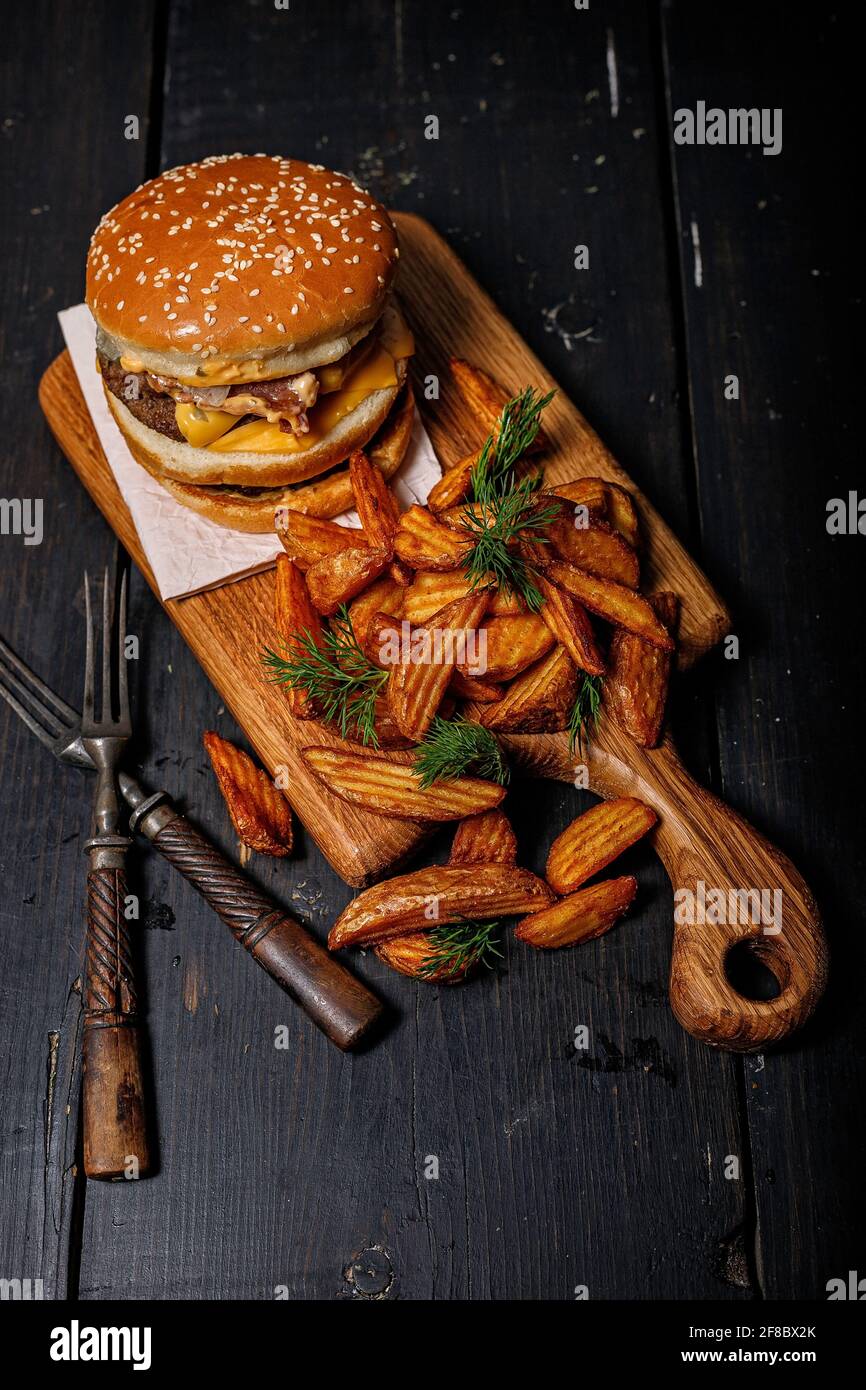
[
  {"x": 294, "y": 615},
  {"x": 375, "y": 503},
  {"x": 436, "y": 896},
  {"x": 570, "y": 624},
  {"x": 505, "y": 605},
  {"x": 636, "y": 688},
  {"x": 539, "y": 701},
  {"x": 259, "y": 813},
  {"x": 409, "y": 955},
  {"x": 338, "y": 578},
  {"x": 484, "y": 839},
  {"x": 385, "y": 634},
  {"x": 388, "y": 447},
  {"x": 614, "y": 602},
  {"x": 590, "y": 493},
  {"x": 595, "y": 839},
  {"x": 378, "y": 511},
  {"x": 431, "y": 591},
  {"x": 454, "y": 486},
  {"x": 579, "y": 917},
  {"x": 425, "y": 544},
  {"x": 389, "y": 786},
  {"x": 475, "y": 688},
  {"x": 595, "y": 547},
  {"x": 622, "y": 513},
  {"x": 604, "y": 501},
  {"x": 307, "y": 539},
  {"x": 509, "y": 645},
  {"x": 384, "y": 597},
  {"x": 485, "y": 398},
  {"x": 419, "y": 680}
]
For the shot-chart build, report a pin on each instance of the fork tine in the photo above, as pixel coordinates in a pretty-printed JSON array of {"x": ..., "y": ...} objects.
[
  {"x": 122, "y": 685},
  {"x": 41, "y": 733},
  {"x": 106, "y": 715},
  {"x": 87, "y": 707},
  {"x": 47, "y": 719},
  {"x": 44, "y": 695}
]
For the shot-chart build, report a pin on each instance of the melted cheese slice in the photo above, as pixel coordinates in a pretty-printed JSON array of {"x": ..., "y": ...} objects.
[
  {"x": 374, "y": 373},
  {"x": 201, "y": 427}
]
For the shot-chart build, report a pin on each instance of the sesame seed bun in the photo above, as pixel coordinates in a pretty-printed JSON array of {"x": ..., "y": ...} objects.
[
  {"x": 240, "y": 259},
  {"x": 326, "y": 496},
  {"x": 171, "y": 459}
]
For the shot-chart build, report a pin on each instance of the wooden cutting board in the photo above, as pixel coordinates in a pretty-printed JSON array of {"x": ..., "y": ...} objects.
[{"x": 698, "y": 837}]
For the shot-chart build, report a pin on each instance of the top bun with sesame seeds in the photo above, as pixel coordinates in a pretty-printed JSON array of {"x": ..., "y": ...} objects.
[{"x": 240, "y": 257}]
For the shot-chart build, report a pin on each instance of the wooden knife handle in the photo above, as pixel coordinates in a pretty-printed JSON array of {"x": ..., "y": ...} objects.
[
  {"x": 115, "y": 1136},
  {"x": 340, "y": 1005},
  {"x": 710, "y": 853}
]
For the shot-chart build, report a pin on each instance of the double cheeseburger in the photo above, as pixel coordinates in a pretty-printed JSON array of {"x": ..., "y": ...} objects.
[{"x": 247, "y": 336}]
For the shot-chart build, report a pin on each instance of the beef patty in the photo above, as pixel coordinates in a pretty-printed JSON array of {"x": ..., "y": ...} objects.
[{"x": 152, "y": 408}]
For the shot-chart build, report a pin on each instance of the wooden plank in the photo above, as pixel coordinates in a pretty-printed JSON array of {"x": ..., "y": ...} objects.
[
  {"x": 557, "y": 1167},
  {"x": 68, "y": 86},
  {"x": 779, "y": 276}
]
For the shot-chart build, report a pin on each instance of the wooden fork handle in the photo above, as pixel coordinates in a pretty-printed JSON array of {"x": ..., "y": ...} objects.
[
  {"x": 731, "y": 885},
  {"x": 115, "y": 1135},
  {"x": 344, "y": 1009}
]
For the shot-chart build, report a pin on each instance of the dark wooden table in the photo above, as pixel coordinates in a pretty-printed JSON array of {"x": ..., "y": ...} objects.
[{"x": 300, "y": 1169}]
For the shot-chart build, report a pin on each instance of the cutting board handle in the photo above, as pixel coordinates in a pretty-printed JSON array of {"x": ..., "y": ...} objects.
[{"x": 730, "y": 886}]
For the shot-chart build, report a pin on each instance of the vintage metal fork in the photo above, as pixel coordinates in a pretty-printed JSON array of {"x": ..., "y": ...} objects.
[
  {"x": 115, "y": 1137},
  {"x": 345, "y": 1010}
]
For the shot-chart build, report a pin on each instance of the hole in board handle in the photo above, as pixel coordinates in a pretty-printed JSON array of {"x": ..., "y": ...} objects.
[{"x": 756, "y": 969}]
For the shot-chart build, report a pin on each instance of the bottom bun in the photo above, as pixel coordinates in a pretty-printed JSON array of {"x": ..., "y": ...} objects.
[{"x": 326, "y": 496}]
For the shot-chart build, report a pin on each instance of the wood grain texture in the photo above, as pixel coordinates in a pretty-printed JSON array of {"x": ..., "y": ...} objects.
[
  {"x": 68, "y": 83},
  {"x": 227, "y": 628},
  {"x": 780, "y": 290}
]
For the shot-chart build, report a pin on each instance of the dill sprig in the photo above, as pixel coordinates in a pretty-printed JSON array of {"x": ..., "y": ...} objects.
[
  {"x": 586, "y": 711},
  {"x": 458, "y": 946},
  {"x": 495, "y": 528},
  {"x": 340, "y": 680},
  {"x": 452, "y": 746},
  {"x": 506, "y": 510},
  {"x": 519, "y": 424}
]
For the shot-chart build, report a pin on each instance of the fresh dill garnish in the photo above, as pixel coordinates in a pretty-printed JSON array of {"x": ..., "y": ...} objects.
[
  {"x": 495, "y": 527},
  {"x": 337, "y": 676},
  {"x": 506, "y": 510},
  {"x": 519, "y": 424},
  {"x": 586, "y": 710},
  {"x": 452, "y": 746},
  {"x": 458, "y": 946}
]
